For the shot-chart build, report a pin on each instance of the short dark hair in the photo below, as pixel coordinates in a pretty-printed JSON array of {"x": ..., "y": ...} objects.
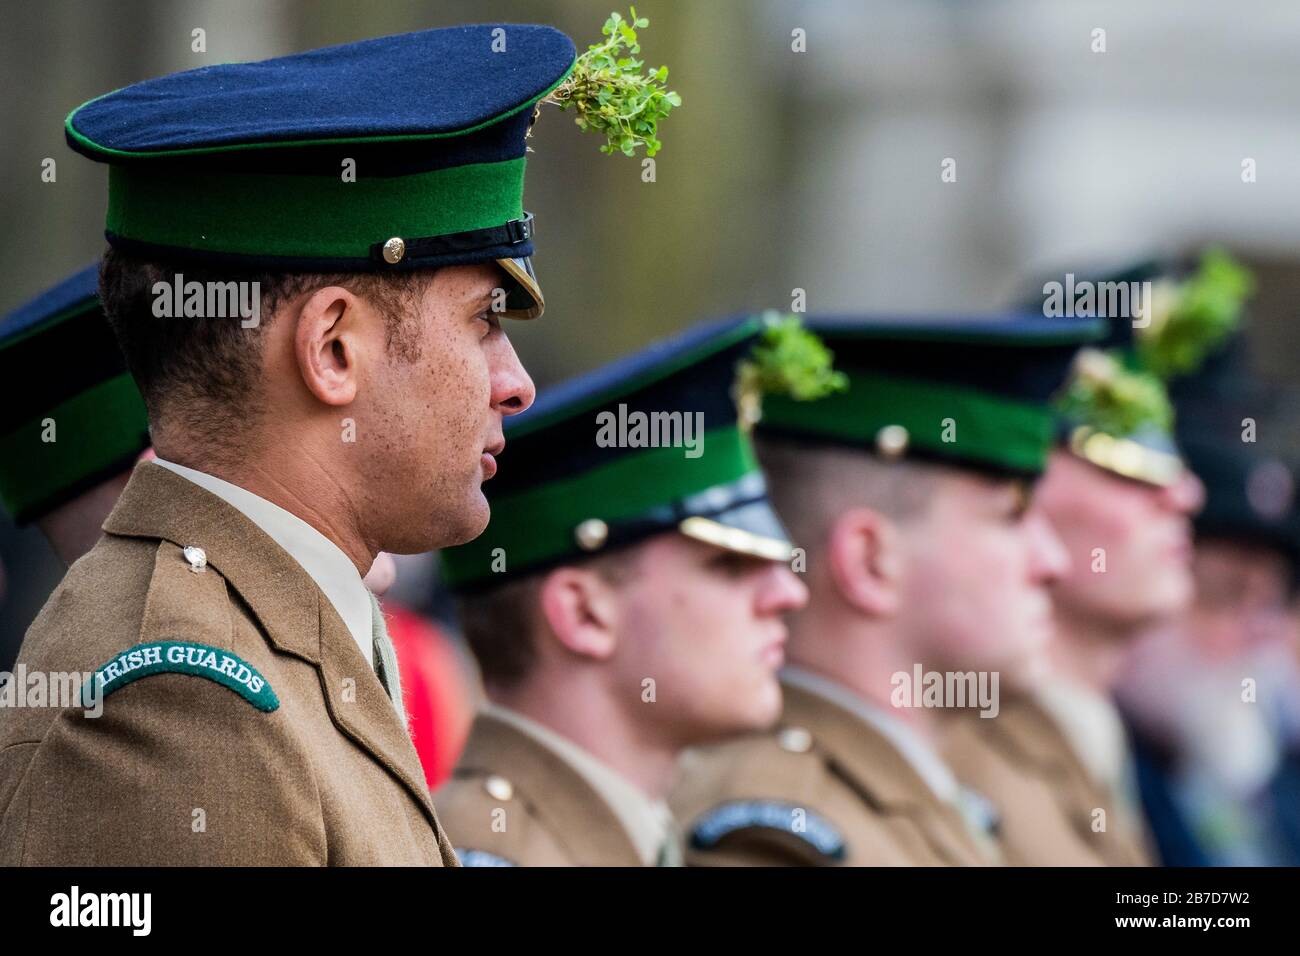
[
  {"x": 500, "y": 624},
  {"x": 810, "y": 484},
  {"x": 203, "y": 371}
]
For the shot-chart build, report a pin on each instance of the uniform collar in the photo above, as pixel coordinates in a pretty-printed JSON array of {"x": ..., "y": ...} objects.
[
  {"x": 1091, "y": 725},
  {"x": 323, "y": 560},
  {"x": 648, "y": 822},
  {"x": 883, "y": 757},
  {"x": 915, "y": 749}
]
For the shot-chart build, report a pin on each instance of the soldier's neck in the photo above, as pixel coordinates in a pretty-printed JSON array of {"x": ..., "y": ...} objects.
[
  {"x": 861, "y": 657},
  {"x": 1089, "y": 650},
  {"x": 600, "y": 726},
  {"x": 301, "y": 487}
]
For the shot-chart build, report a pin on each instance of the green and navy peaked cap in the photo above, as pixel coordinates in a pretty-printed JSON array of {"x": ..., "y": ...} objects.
[
  {"x": 1250, "y": 494},
  {"x": 658, "y": 441},
  {"x": 1250, "y": 488},
  {"x": 1116, "y": 410},
  {"x": 73, "y": 417},
  {"x": 242, "y": 165},
  {"x": 973, "y": 392}
]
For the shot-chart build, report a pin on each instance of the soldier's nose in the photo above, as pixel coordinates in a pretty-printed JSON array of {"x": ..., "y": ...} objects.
[
  {"x": 1049, "y": 559},
  {"x": 513, "y": 390},
  {"x": 1186, "y": 495},
  {"x": 782, "y": 591}
]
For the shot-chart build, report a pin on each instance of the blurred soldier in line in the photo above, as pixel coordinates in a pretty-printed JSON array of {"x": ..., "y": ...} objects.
[
  {"x": 1285, "y": 786},
  {"x": 1213, "y": 697},
  {"x": 925, "y": 562},
  {"x": 1056, "y": 761},
  {"x": 626, "y": 600},
  {"x": 69, "y": 440}
]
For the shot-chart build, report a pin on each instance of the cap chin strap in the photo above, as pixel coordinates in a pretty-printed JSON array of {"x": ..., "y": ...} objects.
[{"x": 523, "y": 293}]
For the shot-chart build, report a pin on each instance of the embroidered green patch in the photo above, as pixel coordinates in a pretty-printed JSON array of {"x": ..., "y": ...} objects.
[{"x": 181, "y": 657}]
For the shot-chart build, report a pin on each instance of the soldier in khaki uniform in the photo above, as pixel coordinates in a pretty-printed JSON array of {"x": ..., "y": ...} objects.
[
  {"x": 1207, "y": 697},
  {"x": 1057, "y": 762},
  {"x": 280, "y": 748},
  {"x": 909, "y": 492},
  {"x": 1045, "y": 797},
  {"x": 241, "y": 701},
  {"x": 625, "y": 602}
]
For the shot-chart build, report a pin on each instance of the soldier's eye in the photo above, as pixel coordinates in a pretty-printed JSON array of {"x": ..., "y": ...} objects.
[
  {"x": 1020, "y": 499},
  {"x": 1017, "y": 501},
  {"x": 732, "y": 563}
]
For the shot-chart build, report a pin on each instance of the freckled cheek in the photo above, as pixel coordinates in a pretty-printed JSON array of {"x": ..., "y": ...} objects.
[
  {"x": 500, "y": 368},
  {"x": 458, "y": 384},
  {"x": 726, "y": 623},
  {"x": 949, "y": 567},
  {"x": 677, "y": 608},
  {"x": 1084, "y": 529},
  {"x": 685, "y": 616},
  {"x": 1120, "y": 529}
]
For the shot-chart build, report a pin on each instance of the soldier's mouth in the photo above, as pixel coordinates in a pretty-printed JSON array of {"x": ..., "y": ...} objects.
[{"x": 773, "y": 656}]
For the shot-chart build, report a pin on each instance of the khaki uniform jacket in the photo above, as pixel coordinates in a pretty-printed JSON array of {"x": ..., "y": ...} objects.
[
  {"x": 179, "y": 768},
  {"x": 825, "y": 788},
  {"x": 1046, "y": 800},
  {"x": 512, "y": 801}
]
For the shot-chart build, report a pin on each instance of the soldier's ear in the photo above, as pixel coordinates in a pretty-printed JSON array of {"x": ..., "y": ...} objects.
[
  {"x": 581, "y": 611},
  {"x": 864, "y": 561},
  {"x": 327, "y": 343}
]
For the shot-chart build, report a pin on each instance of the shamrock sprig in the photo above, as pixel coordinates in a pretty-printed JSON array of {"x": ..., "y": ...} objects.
[
  {"x": 610, "y": 94},
  {"x": 789, "y": 360},
  {"x": 1104, "y": 393},
  {"x": 1200, "y": 314}
]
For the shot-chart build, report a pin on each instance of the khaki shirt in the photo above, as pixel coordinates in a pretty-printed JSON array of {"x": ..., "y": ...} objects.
[
  {"x": 1052, "y": 811},
  {"x": 181, "y": 768},
  {"x": 824, "y": 788},
  {"x": 522, "y": 795}
]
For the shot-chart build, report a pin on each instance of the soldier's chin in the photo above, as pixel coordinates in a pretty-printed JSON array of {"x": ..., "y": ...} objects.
[
  {"x": 1182, "y": 589},
  {"x": 759, "y": 710},
  {"x": 1161, "y": 599},
  {"x": 471, "y": 521}
]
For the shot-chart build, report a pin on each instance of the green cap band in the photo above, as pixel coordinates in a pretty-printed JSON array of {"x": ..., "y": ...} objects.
[
  {"x": 261, "y": 214},
  {"x": 943, "y": 420},
  {"x": 95, "y": 434},
  {"x": 537, "y": 524}
]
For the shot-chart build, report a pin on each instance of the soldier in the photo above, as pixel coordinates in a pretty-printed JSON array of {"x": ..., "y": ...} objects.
[
  {"x": 1207, "y": 694},
  {"x": 72, "y": 436},
  {"x": 70, "y": 488},
  {"x": 1210, "y": 697},
  {"x": 1056, "y": 762},
  {"x": 625, "y": 602},
  {"x": 910, "y": 493},
  {"x": 325, "y": 376}
]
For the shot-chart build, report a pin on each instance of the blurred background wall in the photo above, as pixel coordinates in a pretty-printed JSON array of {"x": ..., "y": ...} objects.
[{"x": 816, "y": 170}]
